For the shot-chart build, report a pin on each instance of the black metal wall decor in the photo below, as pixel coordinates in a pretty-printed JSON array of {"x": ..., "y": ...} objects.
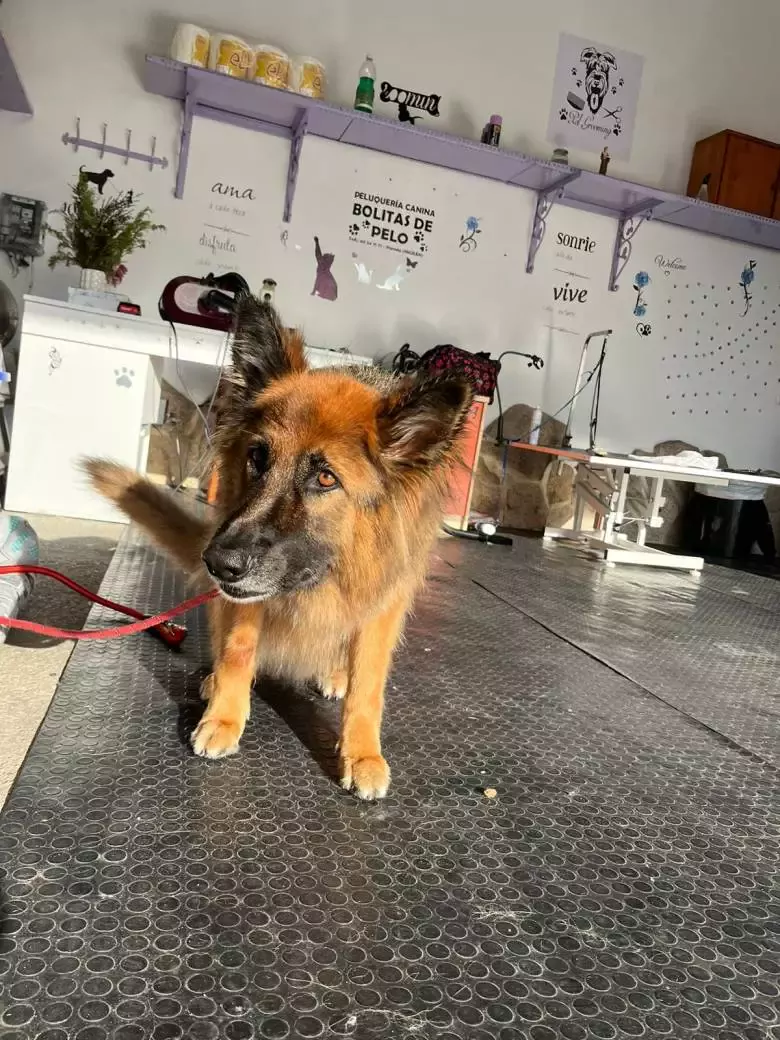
[{"x": 408, "y": 99}]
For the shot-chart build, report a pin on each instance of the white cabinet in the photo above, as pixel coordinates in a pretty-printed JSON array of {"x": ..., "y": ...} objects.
[{"x": 74, "y": 400}]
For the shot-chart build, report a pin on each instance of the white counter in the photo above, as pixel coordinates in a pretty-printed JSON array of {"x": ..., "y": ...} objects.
[{"x": 89, "y": 384}]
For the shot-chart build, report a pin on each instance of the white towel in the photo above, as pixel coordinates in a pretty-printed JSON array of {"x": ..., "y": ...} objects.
[{"x": 692, "y": 459}]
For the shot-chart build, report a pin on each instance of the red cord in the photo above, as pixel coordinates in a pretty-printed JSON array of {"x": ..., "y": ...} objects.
[{"x": 140, "y": 625}]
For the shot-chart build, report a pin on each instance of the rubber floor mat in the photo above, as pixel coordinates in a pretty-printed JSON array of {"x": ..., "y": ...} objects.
[
  {"x": 707, "y": 645},
  {"x": 619, "y": 884}
]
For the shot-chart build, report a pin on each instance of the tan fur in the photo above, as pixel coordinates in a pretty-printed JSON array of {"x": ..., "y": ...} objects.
[{"x": 380, "y": 528}]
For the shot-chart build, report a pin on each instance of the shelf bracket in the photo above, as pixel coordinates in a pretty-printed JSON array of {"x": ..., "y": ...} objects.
[
  {"x": 190, "y": 110},
  {"x": 545, "y": 199},
  {"x": 296, "y": 143},
  {"x": 628, "y": 225}
]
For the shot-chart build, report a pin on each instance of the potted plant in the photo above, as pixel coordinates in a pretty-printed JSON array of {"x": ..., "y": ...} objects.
[{"x": 98, "y": 234}]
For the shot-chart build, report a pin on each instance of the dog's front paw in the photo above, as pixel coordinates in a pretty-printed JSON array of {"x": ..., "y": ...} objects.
[
  {"x": 216, "y": 738},
  {"x": 368, "y": 777}
]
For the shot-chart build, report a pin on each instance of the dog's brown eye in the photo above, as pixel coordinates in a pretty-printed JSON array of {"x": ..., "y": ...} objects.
[
  {"x": 326, "y": 480},
  {"x": 258, "y": 459}
]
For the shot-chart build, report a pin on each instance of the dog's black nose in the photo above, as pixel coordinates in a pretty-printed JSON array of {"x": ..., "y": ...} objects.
[{"x": 228, "y": 565}]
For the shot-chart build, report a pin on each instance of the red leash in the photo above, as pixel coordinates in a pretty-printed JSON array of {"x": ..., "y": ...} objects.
[{"x": 158, "y": 625}]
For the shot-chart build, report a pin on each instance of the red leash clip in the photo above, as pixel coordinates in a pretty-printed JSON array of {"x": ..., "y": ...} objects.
[{"x": 169, "y": 633}]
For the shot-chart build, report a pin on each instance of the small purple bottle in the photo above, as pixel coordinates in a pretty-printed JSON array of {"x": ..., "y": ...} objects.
[{"x": 492, "y": 131}]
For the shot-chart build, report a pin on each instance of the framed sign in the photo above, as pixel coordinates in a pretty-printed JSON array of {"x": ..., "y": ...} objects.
[{"x": 594, "y": 99}]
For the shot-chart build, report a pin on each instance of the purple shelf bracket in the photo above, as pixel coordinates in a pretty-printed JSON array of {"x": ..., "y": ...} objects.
[
  {"x": 628, "y": 225},
  {"x": 545, "y": 199},
  {"x": 190, "y": 110},
  {"x": 296, "y": 143}
]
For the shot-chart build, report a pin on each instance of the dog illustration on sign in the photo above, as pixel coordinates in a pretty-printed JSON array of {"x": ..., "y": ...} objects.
[
  {"x": 595, "y": 94},
  {"x": 598, "y": 66}
]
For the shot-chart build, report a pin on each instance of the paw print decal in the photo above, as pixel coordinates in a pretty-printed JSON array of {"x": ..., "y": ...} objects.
[
  {"x": 621, "y": 82},
  {"x": 353, "y": 230},
  {"x": 616, "y": 130},
  {"x": 418, "y": 236},
  {"x": 366, "y": 225},
  {"x": 124, "y": 377},
  {"x": 564, "y": 114},
  {"x": 574, "y": 70}
]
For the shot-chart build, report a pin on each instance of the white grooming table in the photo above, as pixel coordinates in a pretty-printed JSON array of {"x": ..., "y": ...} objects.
[{"x": 602, "y": 484}]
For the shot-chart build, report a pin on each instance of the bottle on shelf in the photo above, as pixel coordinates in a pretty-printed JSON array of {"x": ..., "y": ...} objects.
[
  {"x": 364, "y": 95},
  {"x": 491, "y": 133}
]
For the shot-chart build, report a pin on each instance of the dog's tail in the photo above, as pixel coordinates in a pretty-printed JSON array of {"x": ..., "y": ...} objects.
[{"x": 176, "y": 530}]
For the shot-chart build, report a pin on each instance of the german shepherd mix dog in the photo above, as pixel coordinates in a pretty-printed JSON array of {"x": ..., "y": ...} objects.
[{"x": 330, "y": 496}]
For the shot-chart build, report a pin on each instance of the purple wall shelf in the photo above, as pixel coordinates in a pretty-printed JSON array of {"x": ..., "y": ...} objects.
[
  {"x": 213, "y": 95},
  {"x": 12, "y": 95}
]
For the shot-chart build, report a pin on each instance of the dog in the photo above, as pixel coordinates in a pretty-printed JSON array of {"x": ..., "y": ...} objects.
[
  {"x": 98, "y": 179},
  {"x": 598, "y": 66},
  {"x": 330, "y": 492}
]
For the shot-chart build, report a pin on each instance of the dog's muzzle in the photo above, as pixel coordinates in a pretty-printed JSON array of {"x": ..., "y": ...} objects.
[{"x": 260, "y": 564}]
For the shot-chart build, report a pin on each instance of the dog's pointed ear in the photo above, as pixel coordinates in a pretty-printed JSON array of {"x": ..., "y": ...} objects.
[
  {"x": 609, "y": 59},
  {"x": 263, "y": 350},
  {"x": 588, "y": 54},
  {"x": 420, "y": 420}
]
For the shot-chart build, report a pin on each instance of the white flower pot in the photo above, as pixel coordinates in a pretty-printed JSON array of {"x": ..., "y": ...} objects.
[{"x": 91, "y": 279}]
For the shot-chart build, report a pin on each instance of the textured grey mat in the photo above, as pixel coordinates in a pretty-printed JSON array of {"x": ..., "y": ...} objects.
[
  {"x": 710, "y": 646},
  {"x": 619, "y": 885}
]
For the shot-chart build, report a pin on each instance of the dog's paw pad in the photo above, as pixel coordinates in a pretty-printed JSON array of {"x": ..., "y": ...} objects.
[
  {"x": 216, "y": 738},
  {"x": 334, "y": 687},
  {"x": 368, "y": 777}
]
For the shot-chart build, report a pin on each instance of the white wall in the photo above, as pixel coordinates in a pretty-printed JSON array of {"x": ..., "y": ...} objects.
[{"x": 84, "y": 58}]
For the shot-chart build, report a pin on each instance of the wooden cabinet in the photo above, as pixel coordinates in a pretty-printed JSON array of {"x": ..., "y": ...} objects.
[{"x": 744, "y": 172}]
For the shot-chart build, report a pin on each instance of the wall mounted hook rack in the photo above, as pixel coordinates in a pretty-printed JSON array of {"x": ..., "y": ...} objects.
[{"x": 100, "y": 146}]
